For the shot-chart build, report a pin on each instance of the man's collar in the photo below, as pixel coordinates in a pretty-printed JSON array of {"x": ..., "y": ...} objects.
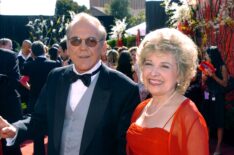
[{"x": 98, "y": 64}]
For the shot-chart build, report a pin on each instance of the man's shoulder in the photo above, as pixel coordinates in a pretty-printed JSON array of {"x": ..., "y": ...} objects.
[
  {"x": 58, "y": 73},
  {"x": 7, "y": 52},
  {"x": 118, "y": 77},
  {"x": 61, "y": 70}
]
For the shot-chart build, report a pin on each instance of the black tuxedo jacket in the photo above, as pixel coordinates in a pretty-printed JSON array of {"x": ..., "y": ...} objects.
[
  {"x": 10, "y": 107},
  {"x": 22, "y": 61},
  {"x": 114, "y": 98},
  {"x": 24, "y": 92},
  {"x": 38, "y": 70}
]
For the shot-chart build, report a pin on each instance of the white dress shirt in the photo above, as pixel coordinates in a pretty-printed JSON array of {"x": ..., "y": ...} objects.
[{"x": 78, "y": 89}]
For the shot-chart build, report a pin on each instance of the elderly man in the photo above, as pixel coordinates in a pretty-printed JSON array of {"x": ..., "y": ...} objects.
[{"x": 86, "y": 107}]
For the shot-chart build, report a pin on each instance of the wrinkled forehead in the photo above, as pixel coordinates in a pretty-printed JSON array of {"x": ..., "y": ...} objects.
[{"x": 83, "y": 24}]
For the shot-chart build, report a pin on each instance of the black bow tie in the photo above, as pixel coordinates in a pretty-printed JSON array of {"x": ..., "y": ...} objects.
[{"x": 85, "y": 78}]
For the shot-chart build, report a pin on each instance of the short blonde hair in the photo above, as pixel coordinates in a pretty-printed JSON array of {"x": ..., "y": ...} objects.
[
  {"x": 91, "y": 19},
  {"x": 170, "y": 40}
]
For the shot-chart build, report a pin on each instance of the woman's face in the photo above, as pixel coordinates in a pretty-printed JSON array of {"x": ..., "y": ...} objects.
[
  {"x": 133, "y": 55},
  {"x": 160, "y": 73},
  {"x": 206, "y": 57}
]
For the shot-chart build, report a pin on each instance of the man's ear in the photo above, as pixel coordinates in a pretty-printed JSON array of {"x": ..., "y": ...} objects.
[{"x": 104, "y": 47}]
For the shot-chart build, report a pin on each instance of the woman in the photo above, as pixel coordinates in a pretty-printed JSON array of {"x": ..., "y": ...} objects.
[
  {"x": 144, "y": 94},
  {"x": 215, "y": 83},
  {"x": 124, "y": 64},
  {"x": 135, "y": 66},
  {"x": 112, "y": 58},
  {"x": 168, "y": 123}
]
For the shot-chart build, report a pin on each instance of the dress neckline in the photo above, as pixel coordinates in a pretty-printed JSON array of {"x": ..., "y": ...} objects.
[
  {"x": 147, "y": 128},
  {"x": 150, "y": 128}
]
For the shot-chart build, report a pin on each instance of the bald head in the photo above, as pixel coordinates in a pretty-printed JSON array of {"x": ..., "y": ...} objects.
[
  {"x": 26, "y": 47},
  {"x": 84, "y": 17},
  {"x": 26, "y": 42}
]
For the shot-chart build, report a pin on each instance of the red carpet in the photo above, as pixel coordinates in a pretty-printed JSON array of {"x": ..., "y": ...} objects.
[
  {"x": 27, "y": 147},
  {"x": 226, "y": 149}
]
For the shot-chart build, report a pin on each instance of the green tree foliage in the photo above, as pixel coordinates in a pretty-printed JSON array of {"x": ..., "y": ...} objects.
[
  {"x": 64, "y": 6},
  {"x": 135, "y": 20},
  {"x": 51, "y": 30},
  {"x": 120, "y": 9}
]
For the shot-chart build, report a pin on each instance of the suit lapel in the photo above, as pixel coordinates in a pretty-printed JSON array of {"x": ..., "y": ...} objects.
[
  {"x": 98, "y": 104},
  {"x": 62, "y": 91}
]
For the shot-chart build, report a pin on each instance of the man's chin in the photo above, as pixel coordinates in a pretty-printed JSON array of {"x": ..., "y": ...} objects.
[{"x": 83, "y": 68}]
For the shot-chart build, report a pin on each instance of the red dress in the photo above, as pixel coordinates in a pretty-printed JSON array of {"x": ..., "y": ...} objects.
[{"x": 188, "y": 134}]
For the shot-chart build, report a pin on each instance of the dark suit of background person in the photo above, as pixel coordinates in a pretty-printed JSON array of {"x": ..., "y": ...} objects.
[
  {"x": 103, "y": 115},
  {"x": 24, "y": 56},
  {"x": 37, "y": 70},
  {"x": 9, "y": 97}
]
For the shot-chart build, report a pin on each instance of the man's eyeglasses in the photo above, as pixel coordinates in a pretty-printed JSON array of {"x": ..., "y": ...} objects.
[{"x": 90, "y": 41}]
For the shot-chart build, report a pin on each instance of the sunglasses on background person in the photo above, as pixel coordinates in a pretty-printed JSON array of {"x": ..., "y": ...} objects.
[{"x": 90, "y": 41}]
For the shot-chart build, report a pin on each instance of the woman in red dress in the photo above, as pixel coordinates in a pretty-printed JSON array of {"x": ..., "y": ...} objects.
[{"x": 168, "y": 123}]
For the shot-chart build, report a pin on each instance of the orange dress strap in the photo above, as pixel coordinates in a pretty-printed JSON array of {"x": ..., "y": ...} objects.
[{"x": 169, "y": 120}]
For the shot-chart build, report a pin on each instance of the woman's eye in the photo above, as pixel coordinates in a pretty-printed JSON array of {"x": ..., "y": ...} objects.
[{"x": 147, "y": 64}]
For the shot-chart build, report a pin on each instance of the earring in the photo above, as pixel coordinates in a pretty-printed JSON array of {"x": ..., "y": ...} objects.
[{"x": 178, "y": 84}]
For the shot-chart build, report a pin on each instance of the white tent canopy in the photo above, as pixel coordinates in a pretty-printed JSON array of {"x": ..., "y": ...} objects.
[{"x": 133, "y": 30}]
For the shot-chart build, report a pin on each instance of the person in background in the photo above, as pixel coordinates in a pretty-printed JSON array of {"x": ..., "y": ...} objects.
[
  {"x": 54, "y": 54},
  {"x": 121, "y": 49},
  {"x": 168, "y": 123},
  {"x": 25, "y": 53},
  {"x": 124, "y": 64},
  {"x": 112, "y": 58},
  {"x": 56, "y": 45},
  {"x": 195, "y": 91},
  {"x": 214, "y": 83},
  {"x": 85, "y": 107},
  {"x": 24, "y": 56},
  {"x": 144, "y": 94},
  {"x": 63, "y": 53},
  {"x": 10, "y": 107},
  {"x": 37, "y": 71},
  {"x": 6, "y": 43},
  {"x": 133, "y": 51}
]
